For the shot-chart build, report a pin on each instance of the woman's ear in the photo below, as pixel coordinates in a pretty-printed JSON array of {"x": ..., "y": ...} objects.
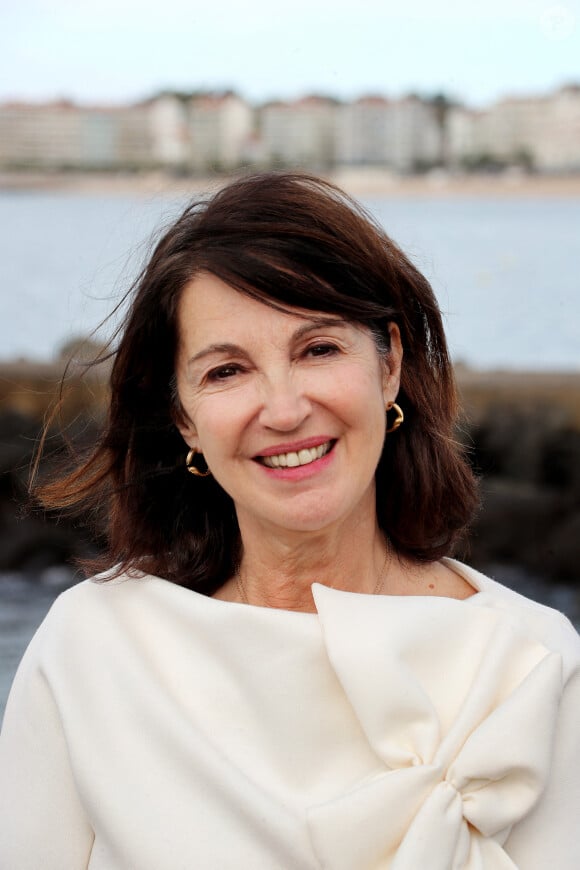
[
  {"x": 189, "y": 435},
  {"x": 185, "y": 426},
  {"x": 392, "y": 365}
]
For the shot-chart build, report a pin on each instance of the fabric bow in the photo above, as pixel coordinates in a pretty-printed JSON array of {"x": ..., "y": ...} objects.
[{"x": 444, "y": 692}]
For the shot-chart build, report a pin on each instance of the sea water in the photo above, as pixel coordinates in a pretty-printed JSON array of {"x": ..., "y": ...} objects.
[{"x": 506, "y": 271}]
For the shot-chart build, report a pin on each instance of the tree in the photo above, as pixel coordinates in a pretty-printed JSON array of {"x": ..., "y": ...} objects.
[{"x": 441, "y": 105}]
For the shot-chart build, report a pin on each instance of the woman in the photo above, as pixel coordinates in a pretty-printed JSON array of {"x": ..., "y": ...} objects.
[{"x": 285, "y": 669}]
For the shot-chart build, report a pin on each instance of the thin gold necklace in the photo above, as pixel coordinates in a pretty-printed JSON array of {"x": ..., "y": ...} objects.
[
  {"x": 376, "y": 591},
  {"x": 240, "y": 586}
]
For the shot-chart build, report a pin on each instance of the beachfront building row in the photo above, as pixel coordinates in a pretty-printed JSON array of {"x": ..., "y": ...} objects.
[
  {"x": 213, "y": 132},
  {"x": 222, "y": 131},
  {"x": 65, "y": 136},
  {"x": 543, "y": 131},
  {"x": 404, "y": 134}
]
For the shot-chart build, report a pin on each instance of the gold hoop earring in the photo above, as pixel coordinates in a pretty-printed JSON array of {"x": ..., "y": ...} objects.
[
  {"x": 193, "y": 469},
  {"x": 398, "y": 419}
]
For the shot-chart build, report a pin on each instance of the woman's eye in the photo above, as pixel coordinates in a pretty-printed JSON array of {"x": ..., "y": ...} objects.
[
  {"x": 322, "y": 349},
  {"x": 222, "y": 373}
]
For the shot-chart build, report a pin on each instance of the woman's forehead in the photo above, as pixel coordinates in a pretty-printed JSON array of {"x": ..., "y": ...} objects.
[
  {"x": 208, "y": 298},
  {"x": 213, "y": 316}
]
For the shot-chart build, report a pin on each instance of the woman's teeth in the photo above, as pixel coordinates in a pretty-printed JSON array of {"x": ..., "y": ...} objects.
[{"x": 300, "y": 457}]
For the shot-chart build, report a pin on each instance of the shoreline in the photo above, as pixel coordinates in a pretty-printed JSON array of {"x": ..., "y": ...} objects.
[{"x": 359, "y": 182}]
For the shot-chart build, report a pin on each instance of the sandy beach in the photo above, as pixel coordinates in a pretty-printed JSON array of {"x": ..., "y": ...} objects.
[{"x": 367, "y": 182}]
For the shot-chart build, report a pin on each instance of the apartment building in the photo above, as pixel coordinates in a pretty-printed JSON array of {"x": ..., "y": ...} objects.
[
  {"x": 219, "y": 128},
  {"x": 557, "y": 143},
  {"x": 364, "y": 132},
  {"x": 299, "y": 133},
  {"x": 462, "y": 124},
  {"x": 40, "y": 135},
  {"x": 134, "y": 140},
  {"x": 401, "y": 134},
  {"x": 168, "y": 130},
  {"x": 64, "y": 135},
  {"x": 544, "y": 129},
  {"x": 417, "y": 139}
]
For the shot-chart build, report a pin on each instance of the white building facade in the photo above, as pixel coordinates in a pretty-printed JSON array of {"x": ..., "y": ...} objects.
[
  {"x": 400, "y": 134},
  {"x": 302, "y": 132},
  {"x": 219, "y": 128},
  {"x": 364, "y": 134},
  {"x": 40, "y": 136},
  {"x": 542, "y": 130},
  {"x": 222, "y": 132},
  {"x": 169, "y": 130}
]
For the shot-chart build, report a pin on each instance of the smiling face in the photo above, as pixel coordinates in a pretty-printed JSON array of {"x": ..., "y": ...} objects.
[{"x": 288, "y": 409}]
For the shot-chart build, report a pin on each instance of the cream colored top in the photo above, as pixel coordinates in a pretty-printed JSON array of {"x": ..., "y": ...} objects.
[{"x": 152, "y": 728}]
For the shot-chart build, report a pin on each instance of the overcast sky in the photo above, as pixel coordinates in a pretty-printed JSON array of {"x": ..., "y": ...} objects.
[{"x": 119, "y": 50}]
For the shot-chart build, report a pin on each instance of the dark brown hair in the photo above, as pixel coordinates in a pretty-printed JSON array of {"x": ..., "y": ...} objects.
[{"x": 289, "y": 240}]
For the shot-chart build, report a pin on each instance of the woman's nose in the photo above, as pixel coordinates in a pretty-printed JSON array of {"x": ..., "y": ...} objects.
[{"x": 284, "y": 404}]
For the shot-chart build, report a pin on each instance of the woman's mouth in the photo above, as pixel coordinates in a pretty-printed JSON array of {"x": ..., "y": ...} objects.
[{"x": 297, "y": 458}]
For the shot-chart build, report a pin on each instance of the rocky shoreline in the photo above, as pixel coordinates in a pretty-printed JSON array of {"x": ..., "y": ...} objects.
[{"x": 522, "y": 430}]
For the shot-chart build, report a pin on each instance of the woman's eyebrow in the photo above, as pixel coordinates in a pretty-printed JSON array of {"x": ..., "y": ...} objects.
[
  {"x": 226, "y": 348},
  {"x": 311, "y": 325},
  {"x": 319, "y": 323}
]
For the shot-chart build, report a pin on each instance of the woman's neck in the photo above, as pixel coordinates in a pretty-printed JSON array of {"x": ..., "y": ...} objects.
[{"x": 279, "y": 570}]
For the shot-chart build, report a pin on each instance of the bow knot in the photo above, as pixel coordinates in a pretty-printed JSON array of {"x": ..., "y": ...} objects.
[{"x": 457, "y": 764}]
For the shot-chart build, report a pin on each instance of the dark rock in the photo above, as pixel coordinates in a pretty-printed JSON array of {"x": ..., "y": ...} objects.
[
  {"x": 513, "y": 519},
  {"x": 563, "y": 548},
  {"x": 560, "y": 461},
  {"x": 29, "y": 541}
]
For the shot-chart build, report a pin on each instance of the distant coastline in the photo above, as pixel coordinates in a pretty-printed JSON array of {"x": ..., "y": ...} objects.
[{"x": 366, "y": 182}]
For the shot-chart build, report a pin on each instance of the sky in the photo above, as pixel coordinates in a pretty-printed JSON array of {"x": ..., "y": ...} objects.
[{"x": 117, "y": 51}]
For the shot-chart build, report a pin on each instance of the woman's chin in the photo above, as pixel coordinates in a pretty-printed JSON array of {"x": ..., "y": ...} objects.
[{"x": 309, "y": 513}]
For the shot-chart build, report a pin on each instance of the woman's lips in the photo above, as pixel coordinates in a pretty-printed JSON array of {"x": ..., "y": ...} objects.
[{"x": 296, "y": 458}]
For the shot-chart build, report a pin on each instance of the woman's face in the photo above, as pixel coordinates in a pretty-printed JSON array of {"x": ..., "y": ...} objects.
[{"x": 288, "y": 409}]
